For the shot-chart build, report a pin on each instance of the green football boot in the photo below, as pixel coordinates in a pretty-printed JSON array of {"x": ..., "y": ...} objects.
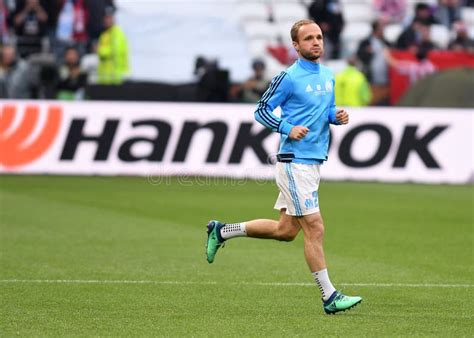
[
  {"x": 339, "y": 302},
  {"x": 214, "y": 239}
]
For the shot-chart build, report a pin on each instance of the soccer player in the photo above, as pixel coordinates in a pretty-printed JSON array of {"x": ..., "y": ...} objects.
[{"x": 305, "y": 93}]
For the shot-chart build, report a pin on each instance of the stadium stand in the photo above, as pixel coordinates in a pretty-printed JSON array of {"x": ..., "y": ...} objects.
[
  {"x": 163, "y": 34},
  {"x": 260, "y": 30},
  {"x": 440, "y": 36},
  {"x": 252, "y": 11},
  {"x": 467, "y": 15},
  {"x": 358, "y": 11},
  {"x": 392, "y": 32},
  {"x": 288, "y": 11},
  {"x": 352, "y": 34}
]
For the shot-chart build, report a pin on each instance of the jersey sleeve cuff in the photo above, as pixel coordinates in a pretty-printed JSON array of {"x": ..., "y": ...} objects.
[
  {"x": 333, "y": 119},
  {"x": 285, "y": 128}
]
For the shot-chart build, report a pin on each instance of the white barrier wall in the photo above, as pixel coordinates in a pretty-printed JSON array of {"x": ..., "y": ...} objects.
[{"x": 117, "y": 138}]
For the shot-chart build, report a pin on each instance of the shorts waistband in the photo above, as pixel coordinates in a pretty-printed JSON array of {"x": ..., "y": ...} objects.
[
  {"x": 285, "y": 157},
  {"x": 290, "y": 158}
]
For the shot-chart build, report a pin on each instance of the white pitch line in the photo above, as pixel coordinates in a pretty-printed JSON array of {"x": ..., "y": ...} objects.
[{"x": 152, "y": 282}]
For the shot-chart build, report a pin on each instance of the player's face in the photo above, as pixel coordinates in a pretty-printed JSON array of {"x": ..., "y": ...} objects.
[{"x": 310, "y": 42}]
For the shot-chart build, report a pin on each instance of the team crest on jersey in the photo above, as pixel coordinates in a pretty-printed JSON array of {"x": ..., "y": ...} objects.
[
  {"x": 319, "y": 90},
  {"x": 328, "y": 86}
]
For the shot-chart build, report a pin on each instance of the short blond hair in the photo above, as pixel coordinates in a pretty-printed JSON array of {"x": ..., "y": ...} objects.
[{"x": 297, "y": 25}]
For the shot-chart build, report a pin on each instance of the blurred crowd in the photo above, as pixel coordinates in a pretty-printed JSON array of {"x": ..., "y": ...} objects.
[
  {"x": 47, "y": 45},
  {"x": 416, "y": 26},
  {"x": 365, "y": 80},
  {"x": 374, "y": 58},
  {"x": 55, "y": 48}
]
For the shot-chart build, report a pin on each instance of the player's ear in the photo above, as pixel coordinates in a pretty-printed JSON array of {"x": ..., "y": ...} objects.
[{"x": 295, "y": 45}]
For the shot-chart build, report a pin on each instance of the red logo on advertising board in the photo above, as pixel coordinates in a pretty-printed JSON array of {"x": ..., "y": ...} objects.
[{"x": 14, "y": 150}]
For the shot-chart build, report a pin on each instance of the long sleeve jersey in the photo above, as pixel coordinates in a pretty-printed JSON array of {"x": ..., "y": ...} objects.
[{"x": 305, "y": 93}]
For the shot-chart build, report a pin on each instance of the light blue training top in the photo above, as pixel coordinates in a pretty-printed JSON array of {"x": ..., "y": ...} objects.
[{"x": 305, "y": 93}]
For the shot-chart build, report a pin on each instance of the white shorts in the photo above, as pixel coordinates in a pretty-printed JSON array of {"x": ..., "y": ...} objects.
[{"x": 298, "y": 184}]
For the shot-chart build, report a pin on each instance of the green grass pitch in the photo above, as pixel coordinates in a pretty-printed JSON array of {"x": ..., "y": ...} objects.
[{"x": 94, "y": 256}]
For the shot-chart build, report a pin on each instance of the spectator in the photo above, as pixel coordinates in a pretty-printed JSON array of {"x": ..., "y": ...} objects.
[
  {"x": 255, "y": 86},
  {"x": 14, "y": 75},
  {"x": 113, "y": 51},
  {"x": 213, "y": 82},
  {"x": 390, "y": 11},
  {"x": 374, "y": 64},
  {"x": 200, "y": 67},
  {"x": 448, "y": 12},
  {"x": 71, "y": 27},
  {"x": 30, "y": 23},
  {"x": 423, "y": 14},
  {"x": 73, "y": 80},
  {"x": 328, "y": 15},
  {"x": 415, "y": 70},
  {"x": 52, "y": 8},
  {"x": 4, "y": 33},
  {"x": 45, "y": 76},
  {"x": 96, "y": 10},
  {"x": 352, "y": 88},
  {"x": 462, "y": 42},
  {"x": 417, "y": 35}
]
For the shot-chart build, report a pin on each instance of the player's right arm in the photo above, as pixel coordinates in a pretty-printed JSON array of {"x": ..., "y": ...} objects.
[{"x": 279, "y": 91}]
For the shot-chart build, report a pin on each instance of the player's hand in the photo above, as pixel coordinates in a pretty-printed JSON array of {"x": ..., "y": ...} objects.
[
  {"x": 342, "y": 116},
  {"x": 298, "y": 133}
]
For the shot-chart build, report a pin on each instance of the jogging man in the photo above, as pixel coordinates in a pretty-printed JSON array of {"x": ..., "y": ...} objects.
[{"x": 305, "y": 93}]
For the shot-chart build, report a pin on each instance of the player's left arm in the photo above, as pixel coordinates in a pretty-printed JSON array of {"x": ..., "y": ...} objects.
[{"x": 337, "y": 116}]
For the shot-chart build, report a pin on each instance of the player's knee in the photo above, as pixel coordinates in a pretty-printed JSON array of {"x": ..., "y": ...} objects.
[
  {"x": 317, "y": 231},
  {"x": 288, "y": 236},
  {"x": 287, "y": 232}
]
